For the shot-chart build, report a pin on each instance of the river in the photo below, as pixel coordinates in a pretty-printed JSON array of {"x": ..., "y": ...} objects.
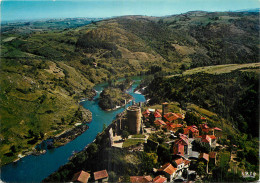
[{"x": 36, "y": 168}]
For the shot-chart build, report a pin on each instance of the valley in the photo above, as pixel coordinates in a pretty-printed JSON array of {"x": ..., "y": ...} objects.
[{"x": 203, "y": 63}]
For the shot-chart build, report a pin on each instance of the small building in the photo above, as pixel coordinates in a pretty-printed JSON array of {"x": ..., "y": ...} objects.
[
  {"x": 101, "y": 176},
  {"x": 168, "y": 170},
  {"x": 206, "y": 129},
  {"x": 179, "y": 163},
  {"x": 81, "y": 176},
  {"x": 191, "y": 131},
  {"x": 141, "y": 179},
  {"x": 160, "y": 179},
  {"x": 180, "y": 147},
  {"x": 171, "y": 117},
  {"x": 157, "y": 115},
  {"x": 210, "y": 139},
  {"x": 217, "y": 132}
]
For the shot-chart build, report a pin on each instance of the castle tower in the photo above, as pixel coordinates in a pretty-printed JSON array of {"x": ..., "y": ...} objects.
[
  {"x": 165, "y": 108},
  {"x": 133, "y": 121}
]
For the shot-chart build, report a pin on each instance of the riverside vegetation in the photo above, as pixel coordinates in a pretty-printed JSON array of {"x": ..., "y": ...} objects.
[{"x": 44, "y": 73}]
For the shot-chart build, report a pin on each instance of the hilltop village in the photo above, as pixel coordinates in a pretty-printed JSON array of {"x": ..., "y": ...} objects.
[{"x": 178, "y": 150}]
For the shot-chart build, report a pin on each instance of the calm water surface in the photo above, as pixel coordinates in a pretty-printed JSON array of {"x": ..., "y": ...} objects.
[{"x": 36, "y": 168}]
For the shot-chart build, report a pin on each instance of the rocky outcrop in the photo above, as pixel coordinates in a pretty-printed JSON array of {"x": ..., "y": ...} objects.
[{"x": 69, "y": 135}]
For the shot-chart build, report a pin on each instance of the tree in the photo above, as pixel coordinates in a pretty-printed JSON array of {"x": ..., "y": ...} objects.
[
  {"x": 125, "y": 134},
  {"x": 113, "y": 177},
  {"x": 201, "y": 168},
  {"x": 13, "y": 149},
  {"x": 41, "y": 135},
  {"x": 185, "y": 173},
  {"x": 149, "y": 160},
  {"x": 164, "y": 154},
  {"x": 93, "y": 148}
]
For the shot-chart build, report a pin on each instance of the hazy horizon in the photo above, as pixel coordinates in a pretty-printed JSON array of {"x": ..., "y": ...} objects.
[{"x": 33, "y": 10}]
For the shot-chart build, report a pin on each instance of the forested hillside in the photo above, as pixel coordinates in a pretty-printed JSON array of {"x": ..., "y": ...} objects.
[
  {"x": 44, "y": 72},
  {"x": 232, "y": 95}
]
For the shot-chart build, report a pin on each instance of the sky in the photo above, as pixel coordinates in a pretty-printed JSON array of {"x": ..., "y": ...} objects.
[{"x": 32, "y": 9}]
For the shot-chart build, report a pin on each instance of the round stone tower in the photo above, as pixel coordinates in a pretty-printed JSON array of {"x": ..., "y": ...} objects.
[{"x": 134, "y": 119}]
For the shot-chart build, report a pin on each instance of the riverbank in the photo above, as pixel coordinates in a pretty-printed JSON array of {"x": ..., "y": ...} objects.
[{"x": 70, "y": 134}]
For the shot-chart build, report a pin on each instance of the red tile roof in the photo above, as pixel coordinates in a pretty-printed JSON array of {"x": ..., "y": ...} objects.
[
  {"x": 100, "y": 174},
  {"x": 81, "y": 176},
  {"x": 204, "y": 156},
  {"x": 212, "y": 155},
  {"x": 203, "y": 118},
  {"x": 176, "y": 125},
  {"x": 180, "y": 115},
  {"x": 212, "y": 136},
  {"x": 146, "y": 112},
  {"x": 171, "y": 126},
  {"x": 190, "y": 128},
  {"x": 181, "y": 141},
  {"x": 148, "y": 178},
  {"x": 173, "y": 116},
  {"x": 160, "y": 179},
  {"x": 204, "y": 126},
  {"x": 179, "y": 161},
  {"x": 141, "y": 179},
  {"x": 216, "y": 128},
  {"x": 159, "y": 122},
  {"x": 207, "y": 138},
  {"x": 168, "y": 168},
  {"x": 186, "y": 162},
  {"x": 159, "y": 110},
  {"x": 157, "y": 114}
]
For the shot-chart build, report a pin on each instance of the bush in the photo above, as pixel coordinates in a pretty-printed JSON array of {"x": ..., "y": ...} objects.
[{"x": 88, "y": 61}]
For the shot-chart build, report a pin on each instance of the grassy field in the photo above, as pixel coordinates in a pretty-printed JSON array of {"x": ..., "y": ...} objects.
[
  {"x": 220, "y": 69},
  {"x": 132, "y": 142}
]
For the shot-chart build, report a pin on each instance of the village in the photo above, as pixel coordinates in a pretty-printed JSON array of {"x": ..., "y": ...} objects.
[{"x": 193, "y": 149}]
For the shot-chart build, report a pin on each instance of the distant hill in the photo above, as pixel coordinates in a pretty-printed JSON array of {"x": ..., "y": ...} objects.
[{"x": 249, "y": 10}]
